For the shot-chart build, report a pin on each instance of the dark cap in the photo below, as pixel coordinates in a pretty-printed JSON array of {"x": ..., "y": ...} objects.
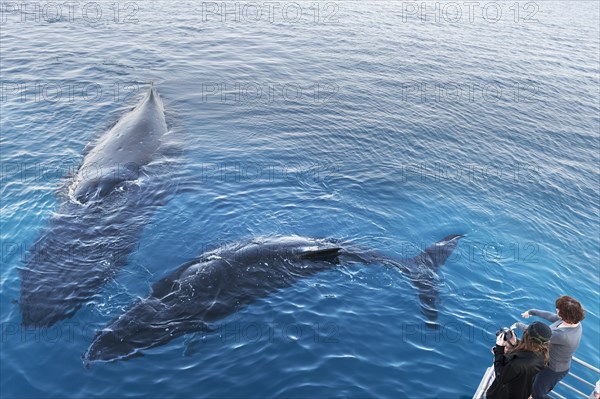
[{"x": 539, "y": 331}]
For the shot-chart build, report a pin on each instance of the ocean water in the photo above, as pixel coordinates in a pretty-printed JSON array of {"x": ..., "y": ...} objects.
[{"x": 391, "y": 124}]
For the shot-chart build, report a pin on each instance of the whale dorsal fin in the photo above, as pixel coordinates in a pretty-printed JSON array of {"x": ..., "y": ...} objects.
[
  {"x": 164, "y": 286},
  {"x": 327, "y": 254}
]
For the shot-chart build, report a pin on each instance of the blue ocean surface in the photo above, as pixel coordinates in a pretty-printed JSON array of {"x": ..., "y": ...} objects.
[{"x": 389, "y": 124}]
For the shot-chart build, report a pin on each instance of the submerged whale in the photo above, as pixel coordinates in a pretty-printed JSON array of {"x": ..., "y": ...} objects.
[
  {"x": 220, "y": 282},
  {"x": 96, "y": 226}
]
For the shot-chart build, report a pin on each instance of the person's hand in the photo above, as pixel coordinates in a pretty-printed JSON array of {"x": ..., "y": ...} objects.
[
  {"x": 500, "y": 340},
  {"x": 526, "y": 314},
  {"x": 513, "y": 338},
  {"x": 514, "y": 326}
]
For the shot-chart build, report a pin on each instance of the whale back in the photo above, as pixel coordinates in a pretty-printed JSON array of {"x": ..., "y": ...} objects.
[
  {"x": 120, "y": 153},
  {"x": 209, "y": 288},
  {"x": 232, "y": 276},
  {"x": 83, "y": 245}
]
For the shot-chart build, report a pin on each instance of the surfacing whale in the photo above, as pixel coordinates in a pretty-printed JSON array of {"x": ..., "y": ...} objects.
[
  {"x": 220, "y": 282},
  {"x": 120, "y": 153},
  {"x": 97, "y": 224}
]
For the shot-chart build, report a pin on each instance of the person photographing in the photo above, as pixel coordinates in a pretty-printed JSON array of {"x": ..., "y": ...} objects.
[
  {"x": 516, "y": 363},
  {"x": 566, "y": 335}
]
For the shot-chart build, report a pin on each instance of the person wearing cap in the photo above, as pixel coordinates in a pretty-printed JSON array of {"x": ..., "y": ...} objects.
[
  {"x": 566, "y": 335},
  {"x": 516, "y": 370}
]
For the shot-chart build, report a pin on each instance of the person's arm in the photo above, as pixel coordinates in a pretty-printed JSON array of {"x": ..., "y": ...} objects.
[
  {"x": 503, "y": 368},
  {"x": 519, "y": 326},
  {"x": 499, "y": 360},
  {"x": 551, "y": 317}
]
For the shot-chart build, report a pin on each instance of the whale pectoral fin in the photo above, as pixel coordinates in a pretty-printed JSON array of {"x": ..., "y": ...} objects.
[
  {"x": 87, "y": 363},
  {"x": 191, "y": 344},
  {"x": 204, "y": 327},
  {"x": 192, "y": 326},
  {"x": 326, "y": 254},
  {"x": 134, "y": 355}
]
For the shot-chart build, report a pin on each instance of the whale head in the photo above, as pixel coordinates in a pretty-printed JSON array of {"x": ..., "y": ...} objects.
[
  {"x": 128, "y": 334},
  {"x": 109, "y": 345},
  {"x": 145, "y": 325}
]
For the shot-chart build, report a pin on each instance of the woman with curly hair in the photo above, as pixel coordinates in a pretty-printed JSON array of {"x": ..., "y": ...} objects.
[
  {"x": 517, "y": 363},
  {"x": 566, "y": 335}
]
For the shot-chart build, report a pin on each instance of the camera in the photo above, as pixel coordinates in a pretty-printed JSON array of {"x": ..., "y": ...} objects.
[{"x": 508, "y": 333}]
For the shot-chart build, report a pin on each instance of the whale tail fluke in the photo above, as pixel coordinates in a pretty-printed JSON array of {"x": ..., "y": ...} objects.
[
  {"x": 422, "y": 271},
  {"x": 436, "y": 255}
]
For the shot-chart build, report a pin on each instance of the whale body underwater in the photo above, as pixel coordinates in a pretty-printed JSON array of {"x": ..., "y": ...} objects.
[
  {"x": 220, "y": 282},
  {"x": 98, "y": 222}
]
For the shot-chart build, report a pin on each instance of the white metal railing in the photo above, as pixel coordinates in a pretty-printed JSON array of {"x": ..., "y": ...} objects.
[
  {"x": 582, "y": 382},
  {"x": 485, "y": 383},
  {"x": 489, "y": 376}
]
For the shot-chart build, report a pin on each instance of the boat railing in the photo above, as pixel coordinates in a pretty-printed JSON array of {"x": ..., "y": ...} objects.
[
  {"x": 571, "y": 388},
  {"x": 565, "y": 389}
]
